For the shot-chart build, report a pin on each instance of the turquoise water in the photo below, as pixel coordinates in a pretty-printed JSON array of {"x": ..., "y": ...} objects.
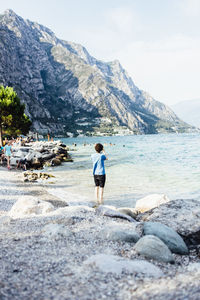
[{"x": 137, "y": 166}]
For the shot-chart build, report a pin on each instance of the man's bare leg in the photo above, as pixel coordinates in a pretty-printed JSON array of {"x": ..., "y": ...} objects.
[
  {"x": 97, "y": 193},
  {"x": 101, "y": 195}
]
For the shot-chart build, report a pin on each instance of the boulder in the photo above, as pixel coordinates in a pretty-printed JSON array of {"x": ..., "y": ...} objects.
[
  {"x": 153, "y": 248},
  {"x": 128, "y": 211},
  {"x": 55, "y": 162},
  {"x": 120, "y": 233},
  {"x": 181, "y": 215},
  {"x": 36, "y": 163},
  {"x": 111, "y": 211},
  {"x": 169, "y": 236},
  {"x": 116, "y": 265},
  {"x": 30, "y": 156},
  {"x": 151, "y": 201},
  {"x": 14, "y": 161},
  {"x": 47, "y": 156},
  {"x": 28, "y": 206}
]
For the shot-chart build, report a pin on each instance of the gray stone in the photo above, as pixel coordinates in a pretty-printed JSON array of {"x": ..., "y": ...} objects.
[
  {"x": 117, "y": 265},
  {"x": 152, "y": 247},
  {"x": 169, "y": 236},
  {"x": 128, "y": 211},
  {"x": 111, "y": 211},
  {"x": 120, "y": 233},
  {"x": 181, "y": 215},
  {"x": 29, "y": 206},
  {"x": 150, "y": 201}
]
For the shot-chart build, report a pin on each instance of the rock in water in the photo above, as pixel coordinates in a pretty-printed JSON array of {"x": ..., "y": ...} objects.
[
  {"x": 111, "y": 211},
  {"x": 181, "y": 215},
  {"x": 149, "y": 202},
  {"x": 152, "y": 247},
  {"x": 169, "y": 236},
  {"x": 116, "y": 264},
  {"x": 29, "y": 205}
]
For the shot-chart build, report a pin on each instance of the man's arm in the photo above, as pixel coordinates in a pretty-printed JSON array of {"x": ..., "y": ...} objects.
[{"x": 105, "y": 154}]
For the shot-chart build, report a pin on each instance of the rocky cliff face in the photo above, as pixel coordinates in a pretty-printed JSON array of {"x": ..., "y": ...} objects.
[{"x": 67, "y": 90}]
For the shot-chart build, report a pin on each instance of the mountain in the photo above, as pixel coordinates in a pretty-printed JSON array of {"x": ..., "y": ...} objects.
[
  {"x": 66, "y": 90},
  {"x": 189, "y": 111}
]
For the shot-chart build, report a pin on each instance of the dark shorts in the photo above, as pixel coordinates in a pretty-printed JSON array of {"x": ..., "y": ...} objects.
[{"x": 100, "y": 180}]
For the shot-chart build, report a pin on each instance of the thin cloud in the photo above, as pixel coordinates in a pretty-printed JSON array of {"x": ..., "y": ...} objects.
[
  {"x": 190, "y": 8},
  {"x": 123, "y": 20}
]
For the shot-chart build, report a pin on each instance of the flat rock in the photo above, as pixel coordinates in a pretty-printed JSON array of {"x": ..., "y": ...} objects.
[
  {"x": 29, "y": 205},
  {"x": 150, "y": 201},
  {"x": 169, "y": 236},
  {"x": 117, "y": 265},
  {"x": 181, "y": 215},
  {"x": 111, "y": 211},
  {"x": 127, "y": 211},
  {"x": 120, "y": 233},
  {"x": 152, "y": 247}
]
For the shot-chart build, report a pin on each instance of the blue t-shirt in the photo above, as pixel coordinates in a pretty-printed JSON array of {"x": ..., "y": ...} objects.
[
  {"x": 8, "y": 150},
  {"x": 98, "y": 163}
]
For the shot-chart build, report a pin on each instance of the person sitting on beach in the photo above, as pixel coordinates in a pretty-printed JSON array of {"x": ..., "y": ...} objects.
[
  {"x": 99, "y": 171},
  {"x": 8, "y": 153}
]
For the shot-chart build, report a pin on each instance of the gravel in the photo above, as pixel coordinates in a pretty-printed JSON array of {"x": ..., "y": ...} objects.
[{"x": 38, "y": 266}]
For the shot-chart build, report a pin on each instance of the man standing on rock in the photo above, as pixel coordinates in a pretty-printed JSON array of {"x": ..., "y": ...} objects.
[{"x": 99, "y": 171}]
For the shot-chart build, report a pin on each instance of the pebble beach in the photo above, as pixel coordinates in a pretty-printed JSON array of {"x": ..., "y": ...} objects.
[{"x": 52, "y": 250}]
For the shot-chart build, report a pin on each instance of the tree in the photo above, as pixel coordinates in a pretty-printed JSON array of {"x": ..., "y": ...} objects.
[{"x": 13, "y": 121}]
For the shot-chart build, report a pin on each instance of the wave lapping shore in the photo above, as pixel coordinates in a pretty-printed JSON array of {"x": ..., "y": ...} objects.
[{"x": 50, "y": 250}]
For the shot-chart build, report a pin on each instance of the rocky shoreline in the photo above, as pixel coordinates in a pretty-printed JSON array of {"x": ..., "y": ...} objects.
[
  {"x": 52, "y": 250},
  {"x": 37, "y": 155}
]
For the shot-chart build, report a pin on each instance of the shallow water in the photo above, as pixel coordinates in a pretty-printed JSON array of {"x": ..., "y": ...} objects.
[{"x": 137, "y": 166}]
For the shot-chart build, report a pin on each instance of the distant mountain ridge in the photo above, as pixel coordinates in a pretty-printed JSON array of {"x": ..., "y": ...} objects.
[
  {"x": 189, "y": 111},
  {"x": 67, "y": 91}
]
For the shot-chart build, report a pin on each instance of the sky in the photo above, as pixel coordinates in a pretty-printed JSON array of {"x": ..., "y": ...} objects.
[{"x": 156, "y": 41}]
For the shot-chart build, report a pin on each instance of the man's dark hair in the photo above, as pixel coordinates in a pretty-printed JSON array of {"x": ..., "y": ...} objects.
[{"x": 98, "y": 147}]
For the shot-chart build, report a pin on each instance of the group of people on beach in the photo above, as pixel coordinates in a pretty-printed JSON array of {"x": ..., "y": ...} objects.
[
  {"x": 98, "y": 159},
  {"x": 6, "y": 150}
]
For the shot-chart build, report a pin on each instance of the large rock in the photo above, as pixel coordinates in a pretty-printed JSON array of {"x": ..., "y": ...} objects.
[
  {"x": 28, "y": 206},
  {"x": 117, "y": 265},
  {"x": 120, "y": 233},
  {"x": 128, "y": 211},
  {"x": 149, "y": 202},
  {"x": 181, "y": 215},
  {"x": 111, "y": 211},
  {"x": 169, "y": 236},
  {"x": 152, "y": 247}
]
